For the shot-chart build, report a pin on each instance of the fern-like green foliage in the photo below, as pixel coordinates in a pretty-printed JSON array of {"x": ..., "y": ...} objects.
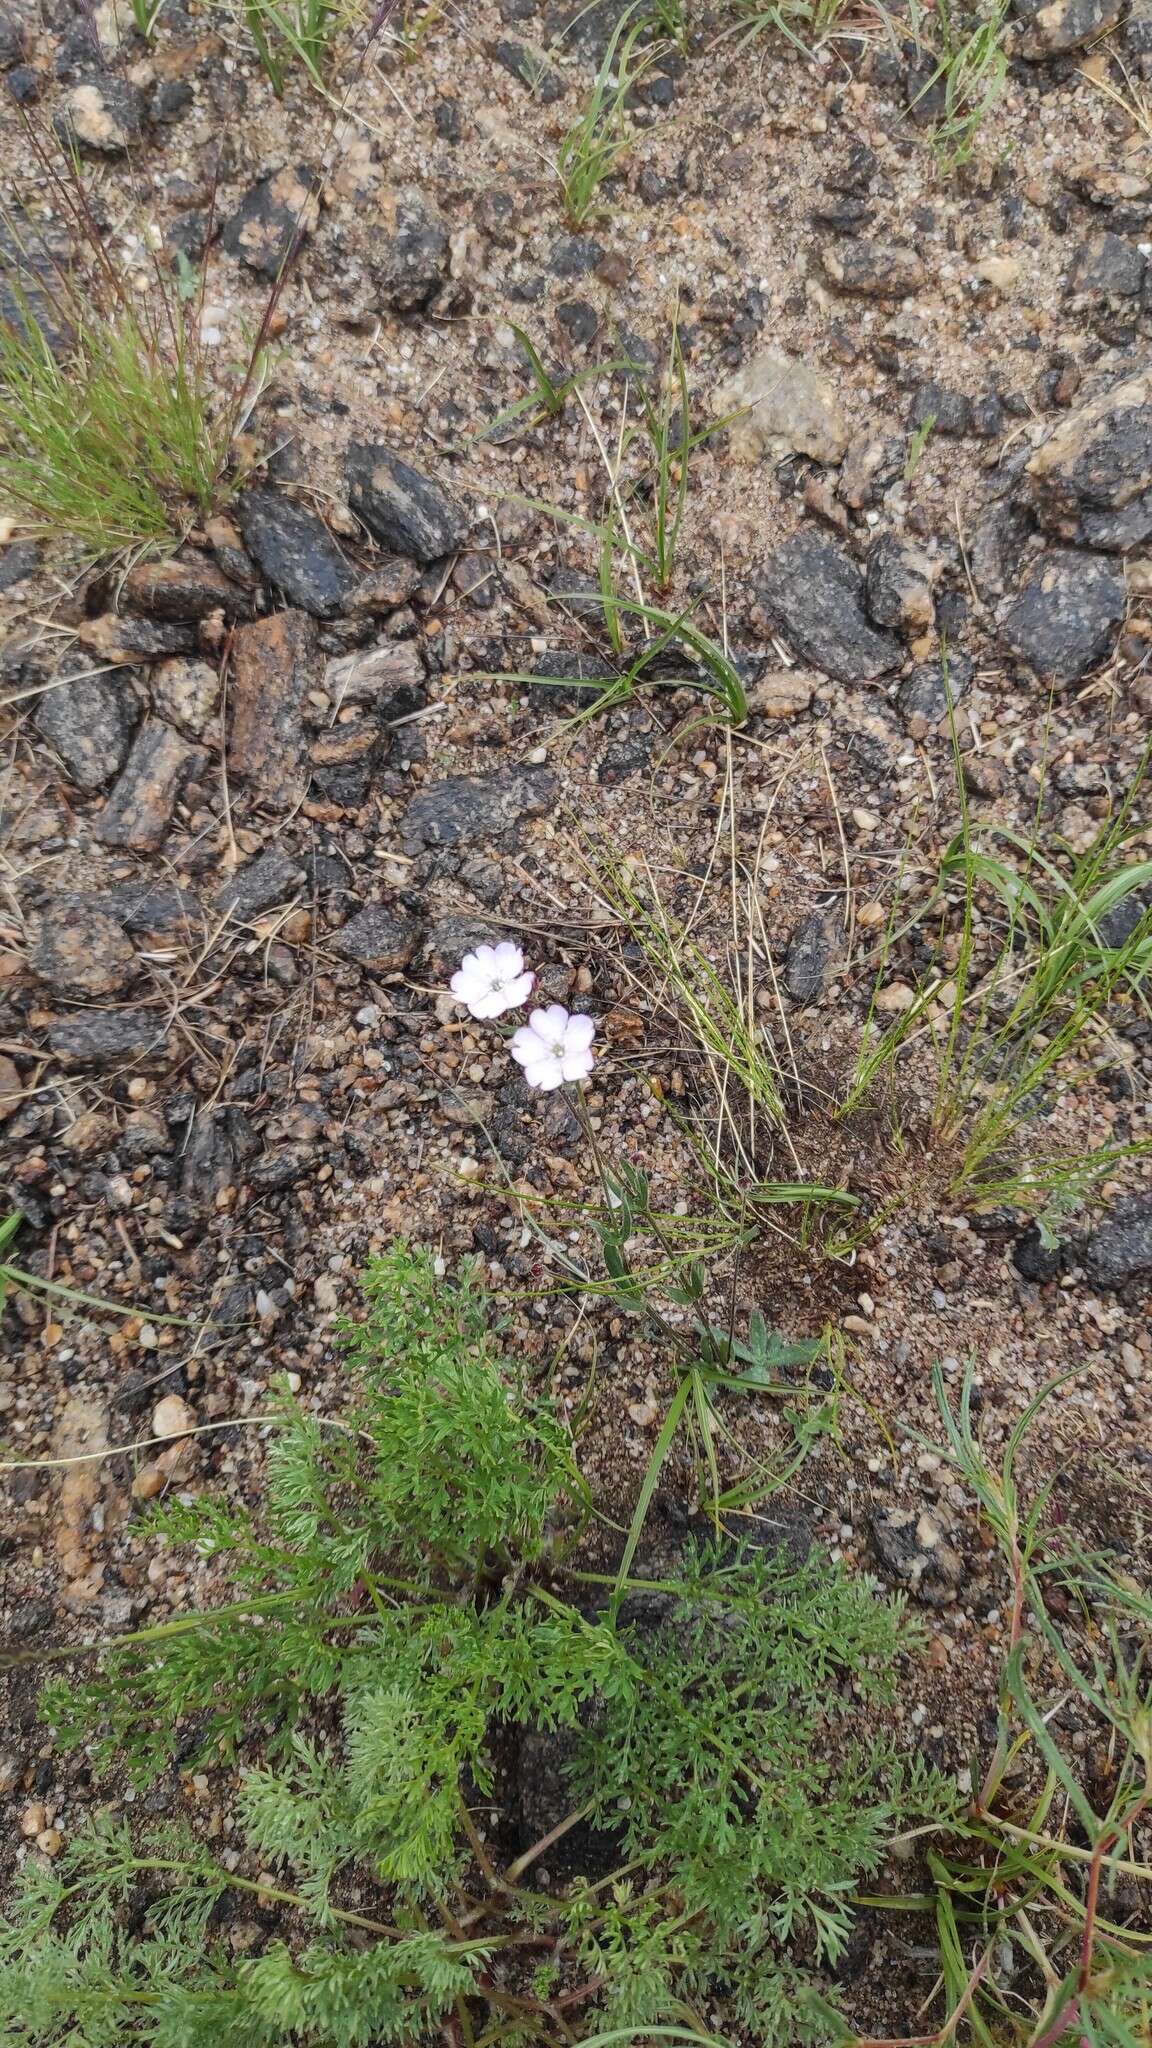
[{"x": 404, "y": 1600}]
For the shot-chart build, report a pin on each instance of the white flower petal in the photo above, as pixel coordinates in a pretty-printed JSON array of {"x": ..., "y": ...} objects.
[
  {"x": 544, "y": 1073},
  {"x": 579, "y": 1033},
  {"x": 507, "y": 959}
]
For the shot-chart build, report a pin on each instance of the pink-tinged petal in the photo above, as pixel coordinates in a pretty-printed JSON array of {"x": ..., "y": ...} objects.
[
  {"x": 525, "y": 1046},
  {"x": 472, "y": 963},
  {"x": 578, "y": 1065},
  {"x": 549, "y": 1024},
  {"x": 507, "y": 959},
  {"x": 463, "y": 984},
  {"x": 580, "y": 1033},
  {"x": 518, "y": 991},
  {"x": 545, "y": 1073}
]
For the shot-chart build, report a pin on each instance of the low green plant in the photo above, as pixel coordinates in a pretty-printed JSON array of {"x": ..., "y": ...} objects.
[
  {"x": 407, "y": 1605},
  {"x": 1039, "y": 1946},
  {"x": 601, "y": 137},
  {"x": 284, "y": 32},
  {"x": 972, "y": 68}
]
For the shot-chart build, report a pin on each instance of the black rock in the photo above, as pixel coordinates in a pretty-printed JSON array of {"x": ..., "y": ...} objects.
[
  {"x": 575, "y": 676},
  {"x": 623, "y": 758},
  {"x": 814, "y": 593},
  {"x": 898, "y": 586},
  {"x": 273, "y": 220},
  {"x": 402, "y": 509},
  {"x": 102, "y": 115},
  {"x": 533, "y": 70},
  {"x": 1064, "y": 621},
  {"x": 574, "y": 255},
  {"x": 1107, "y": 267},
  {"x": 814, "y": 949},
  {"x": 187, "y": 234},
  {"x": 949, "y": 411},
  {"x": 579, "y": 320},
  {"x": 856, "y": 172},
  {"x": 139, "y": 811},
  {"x": 1051, "y": 28},
  {"x": 409, "y": 261},
  {"x": 465, "y": 809},
  {"x": 378, "y": 938},
  {"x": 924, "y": 694},
  {"x": 152, "y": 906},
  {"x": 270, "y": 878},
  {"x": 280, "y": 1168},
  {"x": 25, "y": 84},
  {"x": 1036, "y": 1261},
  {"x": 1120, "y": 1249},
  {"x": 988, "y": 416},
  {"x": 1125, "y": 918},
  {"x": 447, "y": 122},
  {"x": 90, "y": 720},
  {"x": 20, "y": 559},
  {"x": 109, "y": 1038},
  {"x": 295, "y": 552}
]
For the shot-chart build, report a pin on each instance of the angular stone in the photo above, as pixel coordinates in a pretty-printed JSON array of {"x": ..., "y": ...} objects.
[
  {"x": 79, "y": 950},
  {"x": 381, "y": 676},
  {"x": 295, "y": 552},
  {"x": 139, "y": 810},
  {"x": 1091, "y": 480},
  {"x": 189, "y": 587},
  {"x": 389, "y": 585},
  {"x": 405, "y": 511},
  {"x": 104, "y": 116},
  {"x": 152, "y": 906},
  {"x": 465, "y": 810},
  {"x": 353, "y": 739},
  {"x": 270, "y": 878},
  {"x": 109, "y": 1038},
  {"x": 377, "y": 938},
  {"x": 785, "y": 407},
  {"x": 273, "y": 668},
  {"x": 221, "y": 1144},
  {"x": 783, "y": 693},
  {"x": 1107, "y": 267},
  {"x": 871, "y": 464},
  {"x": 90, "y": 720},
  {"x": 1066, "y": 616},
  {"x": 924, "y": 695},
  {"x": 532, "y": 68},
  {"x": 815, "y": 595},
  {"x": 948, "y": 412},
  {"x": 876, "y": 270},
  {"x": 1119, "y": 1251},
  {"x": 186, "y": 693},
  {"x": 898, "y": 587},
  {"x": 128, "y": 640},
  {"x": 273, "y": 219},
  {"x": 408, "y": 251},
  {"x": 814, "y": 950},
  {"x": 1049, "y": 30},
  {"x": 11, "y": 1088}
]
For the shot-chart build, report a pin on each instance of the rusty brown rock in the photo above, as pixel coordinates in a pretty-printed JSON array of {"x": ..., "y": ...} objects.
[
  {"x": 122, "y": 641},
  {"x": 139, "y": 810},
  {"x": 274, "y": 664},
  {"x": 79, "y": 950}
]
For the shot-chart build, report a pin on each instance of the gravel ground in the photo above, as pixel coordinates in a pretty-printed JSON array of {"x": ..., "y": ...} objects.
[{"x": 256, "y": 808}]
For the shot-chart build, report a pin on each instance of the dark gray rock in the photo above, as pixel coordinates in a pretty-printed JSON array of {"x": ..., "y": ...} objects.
[
  {"x": 139, "y": 811},
  {"x": 270, "y": 878},
  {"x": 152, "y": 906},
  {"x": 950, "y": 412},
  {"x": 109, "y": 1038},
  {"x": 295, "y": 552},
  {"x": 1050, "y": 28},
  {"x": 913, "y": 1546},
  {"x": 1119, "y": 1251},
  {"x": 20, "y": 559},
  {"x": 1125, "y": 919},
  {"x": 898, "y": 586},
  {"x": 1036, "y": 1261},
  {"x": 15, "y": 40},
  {"x": 220, "y": 1145},
  {"x": 1091, "y": 480},
  {"x": 923, "y": 696},
  {"x": 403, "y": 510},
  {"x": 409, "y": 258},
  {"x": 280, "y": 1168},
  {"x": 79, "y": 950},
  {"x": 532, "y": 68},
  {"x": 1107, "y": 267},
  {"x": 856, "y": 172},
  {"x": 90, "y": 720},
  {"x": 1065, "y": 619},
  {"x": 575, "y": 676},
  {"x": 814, "y": 950},
  {"x": 25, "y": 84},
  {"x": 814, "y": 594},
  {"x": 378, "y": 938},
  {"x": 466, "y": 810},
  {"x": 102, "y": 116},
  {"x": 874, "y": 270},
  {"x": 575, "y": 255},
  {"x": 450, "y": 938},
  {"x": 273, "y": 220}
]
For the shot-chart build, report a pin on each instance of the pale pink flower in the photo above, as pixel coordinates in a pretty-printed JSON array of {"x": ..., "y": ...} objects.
[
  {"x": 492, "y": 980},
  {"x": 553, "y": 1047}
]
